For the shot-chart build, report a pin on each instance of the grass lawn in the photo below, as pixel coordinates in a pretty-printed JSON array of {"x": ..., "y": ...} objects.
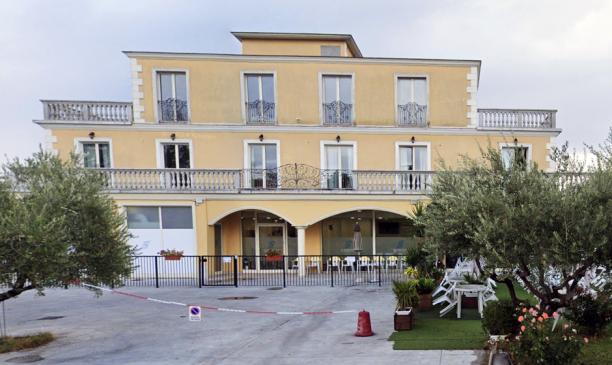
[
  {"x": 430, "y": 332},
  {"x": 17, "y": 343},
  {"x": 598, "y": 351}
]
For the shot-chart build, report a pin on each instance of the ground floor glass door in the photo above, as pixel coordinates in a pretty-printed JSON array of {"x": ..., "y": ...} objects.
[{"x": 271, "y": 245}]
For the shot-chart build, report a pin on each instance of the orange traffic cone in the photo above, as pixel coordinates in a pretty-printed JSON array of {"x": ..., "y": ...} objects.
[{"x": 364, "y": 327}]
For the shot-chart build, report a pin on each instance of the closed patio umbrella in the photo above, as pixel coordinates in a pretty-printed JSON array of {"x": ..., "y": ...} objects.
[{"x": 357, "y": 238}]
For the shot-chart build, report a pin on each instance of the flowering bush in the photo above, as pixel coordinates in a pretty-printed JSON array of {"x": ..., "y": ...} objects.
[
  {"x": 171, "y": 253},
  {"x": 539, "y": 343}
]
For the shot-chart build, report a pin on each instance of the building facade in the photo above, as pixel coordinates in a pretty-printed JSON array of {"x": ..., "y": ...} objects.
[{"x": 285, "y": 147}]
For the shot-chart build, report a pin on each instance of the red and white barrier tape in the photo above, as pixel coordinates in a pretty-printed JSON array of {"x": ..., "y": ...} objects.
[{"x": 219, "y": 309}]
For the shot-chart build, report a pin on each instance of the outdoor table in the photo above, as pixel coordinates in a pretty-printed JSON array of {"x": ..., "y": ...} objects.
[{"x": 462, "y": 289}]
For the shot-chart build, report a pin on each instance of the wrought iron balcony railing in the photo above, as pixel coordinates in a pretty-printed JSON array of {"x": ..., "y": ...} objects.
[
  {"x": 260, "y": 112},
  {"x": 412, "y": 115},
  {"x": 517, "y": 118},
  {"x": 291, "y": 177},
  {"x": 173, "y": 111},
  {"x": 338, "y": 113},
  {"x": 88, "y": 111}
]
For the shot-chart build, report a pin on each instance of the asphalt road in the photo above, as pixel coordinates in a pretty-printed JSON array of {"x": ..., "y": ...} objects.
[{"x": 116, "y": 329}]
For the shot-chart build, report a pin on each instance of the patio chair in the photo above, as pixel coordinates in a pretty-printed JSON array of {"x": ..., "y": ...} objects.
[
  {"x": 391, "y": 261},
  {"x": 448, "y": 297},
  {"x": 448, "y": 308},
  {"x": 335, "y": 261},
  {"x": 364, "y": 261},
  {"x": 377, "y": 261},
  {"x": 347, "y": 263}
]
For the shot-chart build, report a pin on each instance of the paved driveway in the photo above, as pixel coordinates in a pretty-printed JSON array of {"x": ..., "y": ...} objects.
[{"x": 115, "y": 329}]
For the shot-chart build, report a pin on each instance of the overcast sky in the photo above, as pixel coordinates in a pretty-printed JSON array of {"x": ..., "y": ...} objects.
[{"x": 536, "y": 54}]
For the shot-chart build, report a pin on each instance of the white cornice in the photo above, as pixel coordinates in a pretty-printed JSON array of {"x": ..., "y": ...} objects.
[
  {"x": 320, "y": 59},
  {"x": 288, "y": 128},
  {"x": 275, "y": 196}
]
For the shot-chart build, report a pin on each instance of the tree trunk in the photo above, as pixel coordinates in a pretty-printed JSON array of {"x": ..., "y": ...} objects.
[{"x": 15, "y": 291}]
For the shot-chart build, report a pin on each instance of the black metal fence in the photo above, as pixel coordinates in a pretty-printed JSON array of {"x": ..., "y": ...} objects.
[{"x": 271, "y": 271}]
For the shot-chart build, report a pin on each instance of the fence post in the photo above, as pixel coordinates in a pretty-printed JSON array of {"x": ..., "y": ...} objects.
[
  {"x": 331, "y": 270},
  {"x": 284, "y": 271},
  {"x": 156, "y": 274},
  {"x": 379, "y": 277},
  {"x": 200, "y": 276},
  {"x": 236, "y": 271}
]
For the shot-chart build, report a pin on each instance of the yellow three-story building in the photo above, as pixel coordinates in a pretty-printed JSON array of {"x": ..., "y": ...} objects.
[{"x": 283, "y": 148}]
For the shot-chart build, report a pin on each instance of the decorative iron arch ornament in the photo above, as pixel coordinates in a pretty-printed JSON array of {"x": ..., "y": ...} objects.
[{"x": 299, "y": 176}]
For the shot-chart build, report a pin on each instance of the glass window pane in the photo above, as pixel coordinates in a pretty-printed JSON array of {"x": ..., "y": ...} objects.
[
  {"x": 345, "y": 89},
  {"x": 405, "y": 158},
  {"x": 267, "y": 87},
  {"x": 346, "y": 157},
  {"x": 329, "y": 89},
  {"x": 180, "y": 86},
  {"x": 256, "y": 155},
  {"x": 183, "y": 154},
  {"x": 89, "y": 155},
  {"x": 252, "y": 87},
  {"x": 104, "y": 152},
  {"x": 271, "y": 156},
  {"x": 331, "y": 157},
  {"x": 169, "y": 156},
  {"x": 330, "y": 51},
  {"x": 420, "y": 158},
  {"x": 143, "y": 217},
  {"x": 403, "y": 91},
  {"x": 176, "y": 218},
  {"x": 507, "y": 155},
  {"x": 420, "y": 91},
  {"x": 165, "y": 86}
]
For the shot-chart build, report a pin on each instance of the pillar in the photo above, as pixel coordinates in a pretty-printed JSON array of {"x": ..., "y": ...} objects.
[{"x": 301, "y": 250}]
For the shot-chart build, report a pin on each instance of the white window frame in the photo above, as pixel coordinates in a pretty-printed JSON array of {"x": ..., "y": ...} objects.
[
  {"x": 78, "y": 148},
  {"x": 323, "y": 156},
  {"x": 155, "y": 79},
  {"x": 247, "y": 156},
  {"x": 400, "y": 144},
  {"x": 322, "y": 98},
  {"x": 518, "y": 145},
  {"x": 411, "y": 76},
  {"x": 243, "y": 91},
  {"x": 159, "y": 151}
]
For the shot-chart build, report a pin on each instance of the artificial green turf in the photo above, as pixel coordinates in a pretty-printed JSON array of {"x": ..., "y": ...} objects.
[{"x": 430, "y": 332}]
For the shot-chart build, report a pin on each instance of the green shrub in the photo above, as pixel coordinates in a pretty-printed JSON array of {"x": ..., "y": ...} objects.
[
  {"x": 499, "y": 318},
  {"x": 425, "y": 285},
  {"x": 591, "y": 314},
  {"x": 538, "y": 343},
  {"x": 18, "y": 343},
  {"x": 406, "y": 295}
]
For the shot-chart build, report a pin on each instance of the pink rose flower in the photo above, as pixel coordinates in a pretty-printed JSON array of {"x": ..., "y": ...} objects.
[
  {"x": 586, "y": 340},
  {"x": 545, "y": 316},
  {"x": 540, "y": 319},
  {"x": 522, "y": 328},
  {"x": 521, "y": 318},
  {"x": 524, "y": 310},
  {"x": 555, "y": 315}
]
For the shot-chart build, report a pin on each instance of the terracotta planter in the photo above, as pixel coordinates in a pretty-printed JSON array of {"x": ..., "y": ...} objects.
[
  {"x": 403, "y": 320},
  {"x": 424, "y": 302},
  {"x": 274, "y": 258},
  {"x": 172, "y": 257}
]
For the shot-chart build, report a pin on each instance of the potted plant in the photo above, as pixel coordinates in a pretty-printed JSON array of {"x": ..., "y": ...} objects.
[
  {"x": 499, "y": 319},
  {"x": 407, "y": 299},
  {"x": 424, "y": 287},
  {"x": 171, "y": 254},
  {"x": 273, "y": 255}
]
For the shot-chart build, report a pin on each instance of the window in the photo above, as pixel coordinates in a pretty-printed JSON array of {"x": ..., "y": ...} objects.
[
  {"x": 330, "y": 51},
  {"x": 176, "y": 155},
  {"x": 412, "y": 101},
  {"x": 515, "y": 154},
  {"x": 172, "y": 96},
  {"x": 151, "y": 217},
  {"x": 96, "y": 154},
  {"x": 260, "y": 105},
  {"x": 412, "y": 158},
  {"x": 338, "y": 166},
  {"x": 263, "y": 164},
  {"x": 337, "y": 99}
]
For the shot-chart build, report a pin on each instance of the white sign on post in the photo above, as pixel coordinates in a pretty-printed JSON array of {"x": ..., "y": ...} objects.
[{"x": 195, "y": 313}]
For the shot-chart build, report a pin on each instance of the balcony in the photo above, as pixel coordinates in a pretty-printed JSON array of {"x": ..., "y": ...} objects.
[
  {"x": 517, "y": 118},
  {"x": 412, "y": 115},
  {"x": 260, "y": 112},
  {"x": 287, "y": 178},
  {"x": 337, "y": 113},
  {"x": 88, "y": 111}
]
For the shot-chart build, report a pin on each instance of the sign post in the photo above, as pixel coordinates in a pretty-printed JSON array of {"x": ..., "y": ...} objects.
[{"x": 195, "y": 313}]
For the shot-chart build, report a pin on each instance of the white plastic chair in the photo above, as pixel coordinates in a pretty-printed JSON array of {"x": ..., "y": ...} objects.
[
  {"x": 315, "y": 262},
  {"x": 335, "y": 261},
  {"x": 348, "y": 262},
  {"x": 448, "y": 297},
  {"x": 391, "y": 261},
  {"x": 364, "y": 261},
  {"x": 452, "y": 304}
]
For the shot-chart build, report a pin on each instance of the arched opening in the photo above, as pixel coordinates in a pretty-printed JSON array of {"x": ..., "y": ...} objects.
[{"x": 382, "y": 233}]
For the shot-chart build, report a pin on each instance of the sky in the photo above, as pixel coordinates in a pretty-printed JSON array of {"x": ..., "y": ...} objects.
[{"x": 535, "y": 54}]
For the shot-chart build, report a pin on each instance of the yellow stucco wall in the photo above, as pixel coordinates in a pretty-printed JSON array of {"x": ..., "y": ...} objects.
[
  {"x": 215, "y": 89},
  {"x": 290, "y": 47},
  {"x": 137, "y": 149}
]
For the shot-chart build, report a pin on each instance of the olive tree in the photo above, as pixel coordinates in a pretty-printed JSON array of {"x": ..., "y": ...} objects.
[
  {"x": 57, "y": 227},
  {"x": 543, "y": 229}
]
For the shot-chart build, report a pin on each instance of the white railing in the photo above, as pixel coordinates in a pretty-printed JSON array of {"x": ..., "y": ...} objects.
[
  {"x": 161, "y": 180},
  {"x": 88, "y": 111},
  {"x": 517, "y": 118}
]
